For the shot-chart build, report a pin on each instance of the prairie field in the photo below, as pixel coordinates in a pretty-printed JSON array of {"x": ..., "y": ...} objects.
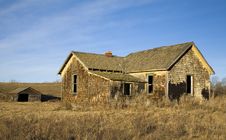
[{"x": 163, "y": 120}]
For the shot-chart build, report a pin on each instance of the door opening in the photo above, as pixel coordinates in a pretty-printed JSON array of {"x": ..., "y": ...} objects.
[
  {"x": 23, "y": 98},
  {"x": 127, "y": 89},
  {"x": 189, "y": 84}
]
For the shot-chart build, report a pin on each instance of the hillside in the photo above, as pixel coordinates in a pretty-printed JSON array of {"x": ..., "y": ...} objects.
[{"x": 53, "y": 89}]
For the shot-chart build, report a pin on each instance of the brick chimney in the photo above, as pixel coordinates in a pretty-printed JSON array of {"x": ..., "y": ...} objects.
[{"x": 108, "y": 54}]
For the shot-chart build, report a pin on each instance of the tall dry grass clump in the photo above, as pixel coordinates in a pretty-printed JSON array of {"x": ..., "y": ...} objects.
[{"x": 137, "y": 118}]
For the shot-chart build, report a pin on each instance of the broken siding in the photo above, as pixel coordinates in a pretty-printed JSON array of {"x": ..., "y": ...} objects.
[
  {"x": 189, "y": 64},
  {"x": 32, "y": 97}
]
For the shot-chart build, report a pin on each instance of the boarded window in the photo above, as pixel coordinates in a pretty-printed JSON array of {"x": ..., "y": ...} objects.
[
  {"x": 75, "y": 83},
  {"x": 127, "y": 89},
  {"x": 150, "y": 84},
  {"x": 189, "y": 84}
]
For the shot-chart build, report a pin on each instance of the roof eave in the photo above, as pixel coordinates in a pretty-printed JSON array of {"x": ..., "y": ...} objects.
[
  {"x": 151, "y": 70},
  {"x": 65, "y": 62},
  {"x": 184, "y": 52},
  {"x": 180, "y": 56},
  {"x": 211, "y": 69}
]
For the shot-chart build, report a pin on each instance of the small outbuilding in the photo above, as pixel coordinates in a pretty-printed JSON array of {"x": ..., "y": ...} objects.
[{"x": 26, "y": 94}]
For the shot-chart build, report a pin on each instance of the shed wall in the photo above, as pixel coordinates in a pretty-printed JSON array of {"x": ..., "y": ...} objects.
[{"x": 33, "y": 95}]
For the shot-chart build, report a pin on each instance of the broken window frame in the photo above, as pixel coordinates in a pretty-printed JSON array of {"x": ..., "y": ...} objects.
[
  {"x": 130, "y": 89},
  {"x": 74, "y": 84},
  {"x": 150, "y": 85}
]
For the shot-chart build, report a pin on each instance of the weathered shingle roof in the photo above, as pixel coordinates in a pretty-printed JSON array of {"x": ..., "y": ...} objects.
[
  {"x": 156, "y": 59},
  {"x": 118, "y": 76},
  {"x": 153, "y": 59},
  {"x": 162, "y": 58},
  {"x": 18, "y": 90},
  {"x": 99, "y": 61}
]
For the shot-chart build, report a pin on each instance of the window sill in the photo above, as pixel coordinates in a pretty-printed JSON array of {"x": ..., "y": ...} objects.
[{"x": 127, "y": 95}]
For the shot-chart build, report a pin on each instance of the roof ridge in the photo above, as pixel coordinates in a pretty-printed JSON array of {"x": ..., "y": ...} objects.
[
  {"x": 74, "y": 52},
  {"x": 156, "y": 48},
  {"x": 19, "y": 89},
  {"x": 94, "y": 60}
]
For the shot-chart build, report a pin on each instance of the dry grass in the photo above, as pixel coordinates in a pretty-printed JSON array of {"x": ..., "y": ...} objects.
[{"x": 165, "y": 120}]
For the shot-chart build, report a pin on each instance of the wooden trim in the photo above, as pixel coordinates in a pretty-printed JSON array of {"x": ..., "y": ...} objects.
[
  {"x": 68, "y": 63},
  {"x": 73, "y": 83},
  {"x": 167, "y": 86},
  {"x": 86, "y": 68},
  {"x": 192, "y": 84},
  {"x": 131, "y": 87},
  {"x": 65, "y": 63},
  {"x": 98, "y": 76},
  {"x": 203, "y": 60},
  {"x": 150, "y": 74},
  {"x": 152, "y": 70},
  {"x": 178, "y": 58}
]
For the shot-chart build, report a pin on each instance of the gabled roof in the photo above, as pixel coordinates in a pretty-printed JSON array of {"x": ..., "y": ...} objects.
[
  {"x": 162, "y": 58},
  {"x": 156, "y": 59},
  {"x": 19, "y": 90},
  {"x": 100, "y": 61}
]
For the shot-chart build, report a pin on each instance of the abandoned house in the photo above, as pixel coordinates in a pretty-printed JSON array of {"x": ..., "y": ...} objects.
[
  {"x": 26, "y": 94},
  {"x": 165, "y": 71}
]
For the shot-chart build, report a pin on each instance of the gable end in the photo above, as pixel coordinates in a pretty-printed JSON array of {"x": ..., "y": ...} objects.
[
  {"x": 68, "y": 61},
  {"x": 199, "y": 56},
  {"x": 202, "y": 60}
]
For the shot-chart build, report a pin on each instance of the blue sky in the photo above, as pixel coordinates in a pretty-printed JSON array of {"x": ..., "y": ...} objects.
[{"x": 37, "y": 35}]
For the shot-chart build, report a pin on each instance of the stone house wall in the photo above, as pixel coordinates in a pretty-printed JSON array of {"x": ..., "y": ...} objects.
[
  {"x": 159, "y": 81},
  {"x": 116, "y": 89},
  {"x": 89, "y": 87},
  {"x": 189, "y": 64},
  {"x": 92, "y": 87}
]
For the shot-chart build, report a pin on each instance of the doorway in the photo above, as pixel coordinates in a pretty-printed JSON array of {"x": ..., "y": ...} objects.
[
  {"x": 189, "y": 84},
  {"x": 23, "y": 98},
  {"x": 127, "y": 89}
]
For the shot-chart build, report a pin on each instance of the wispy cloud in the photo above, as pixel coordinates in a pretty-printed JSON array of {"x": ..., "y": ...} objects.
[{"x": 52, "y": 35}]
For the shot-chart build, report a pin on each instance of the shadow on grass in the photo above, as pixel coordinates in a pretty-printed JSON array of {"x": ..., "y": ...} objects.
[{"x": 45, "y": 98}]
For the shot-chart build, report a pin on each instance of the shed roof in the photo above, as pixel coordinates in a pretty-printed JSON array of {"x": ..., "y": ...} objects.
[{"x": 118, "y": 76}]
